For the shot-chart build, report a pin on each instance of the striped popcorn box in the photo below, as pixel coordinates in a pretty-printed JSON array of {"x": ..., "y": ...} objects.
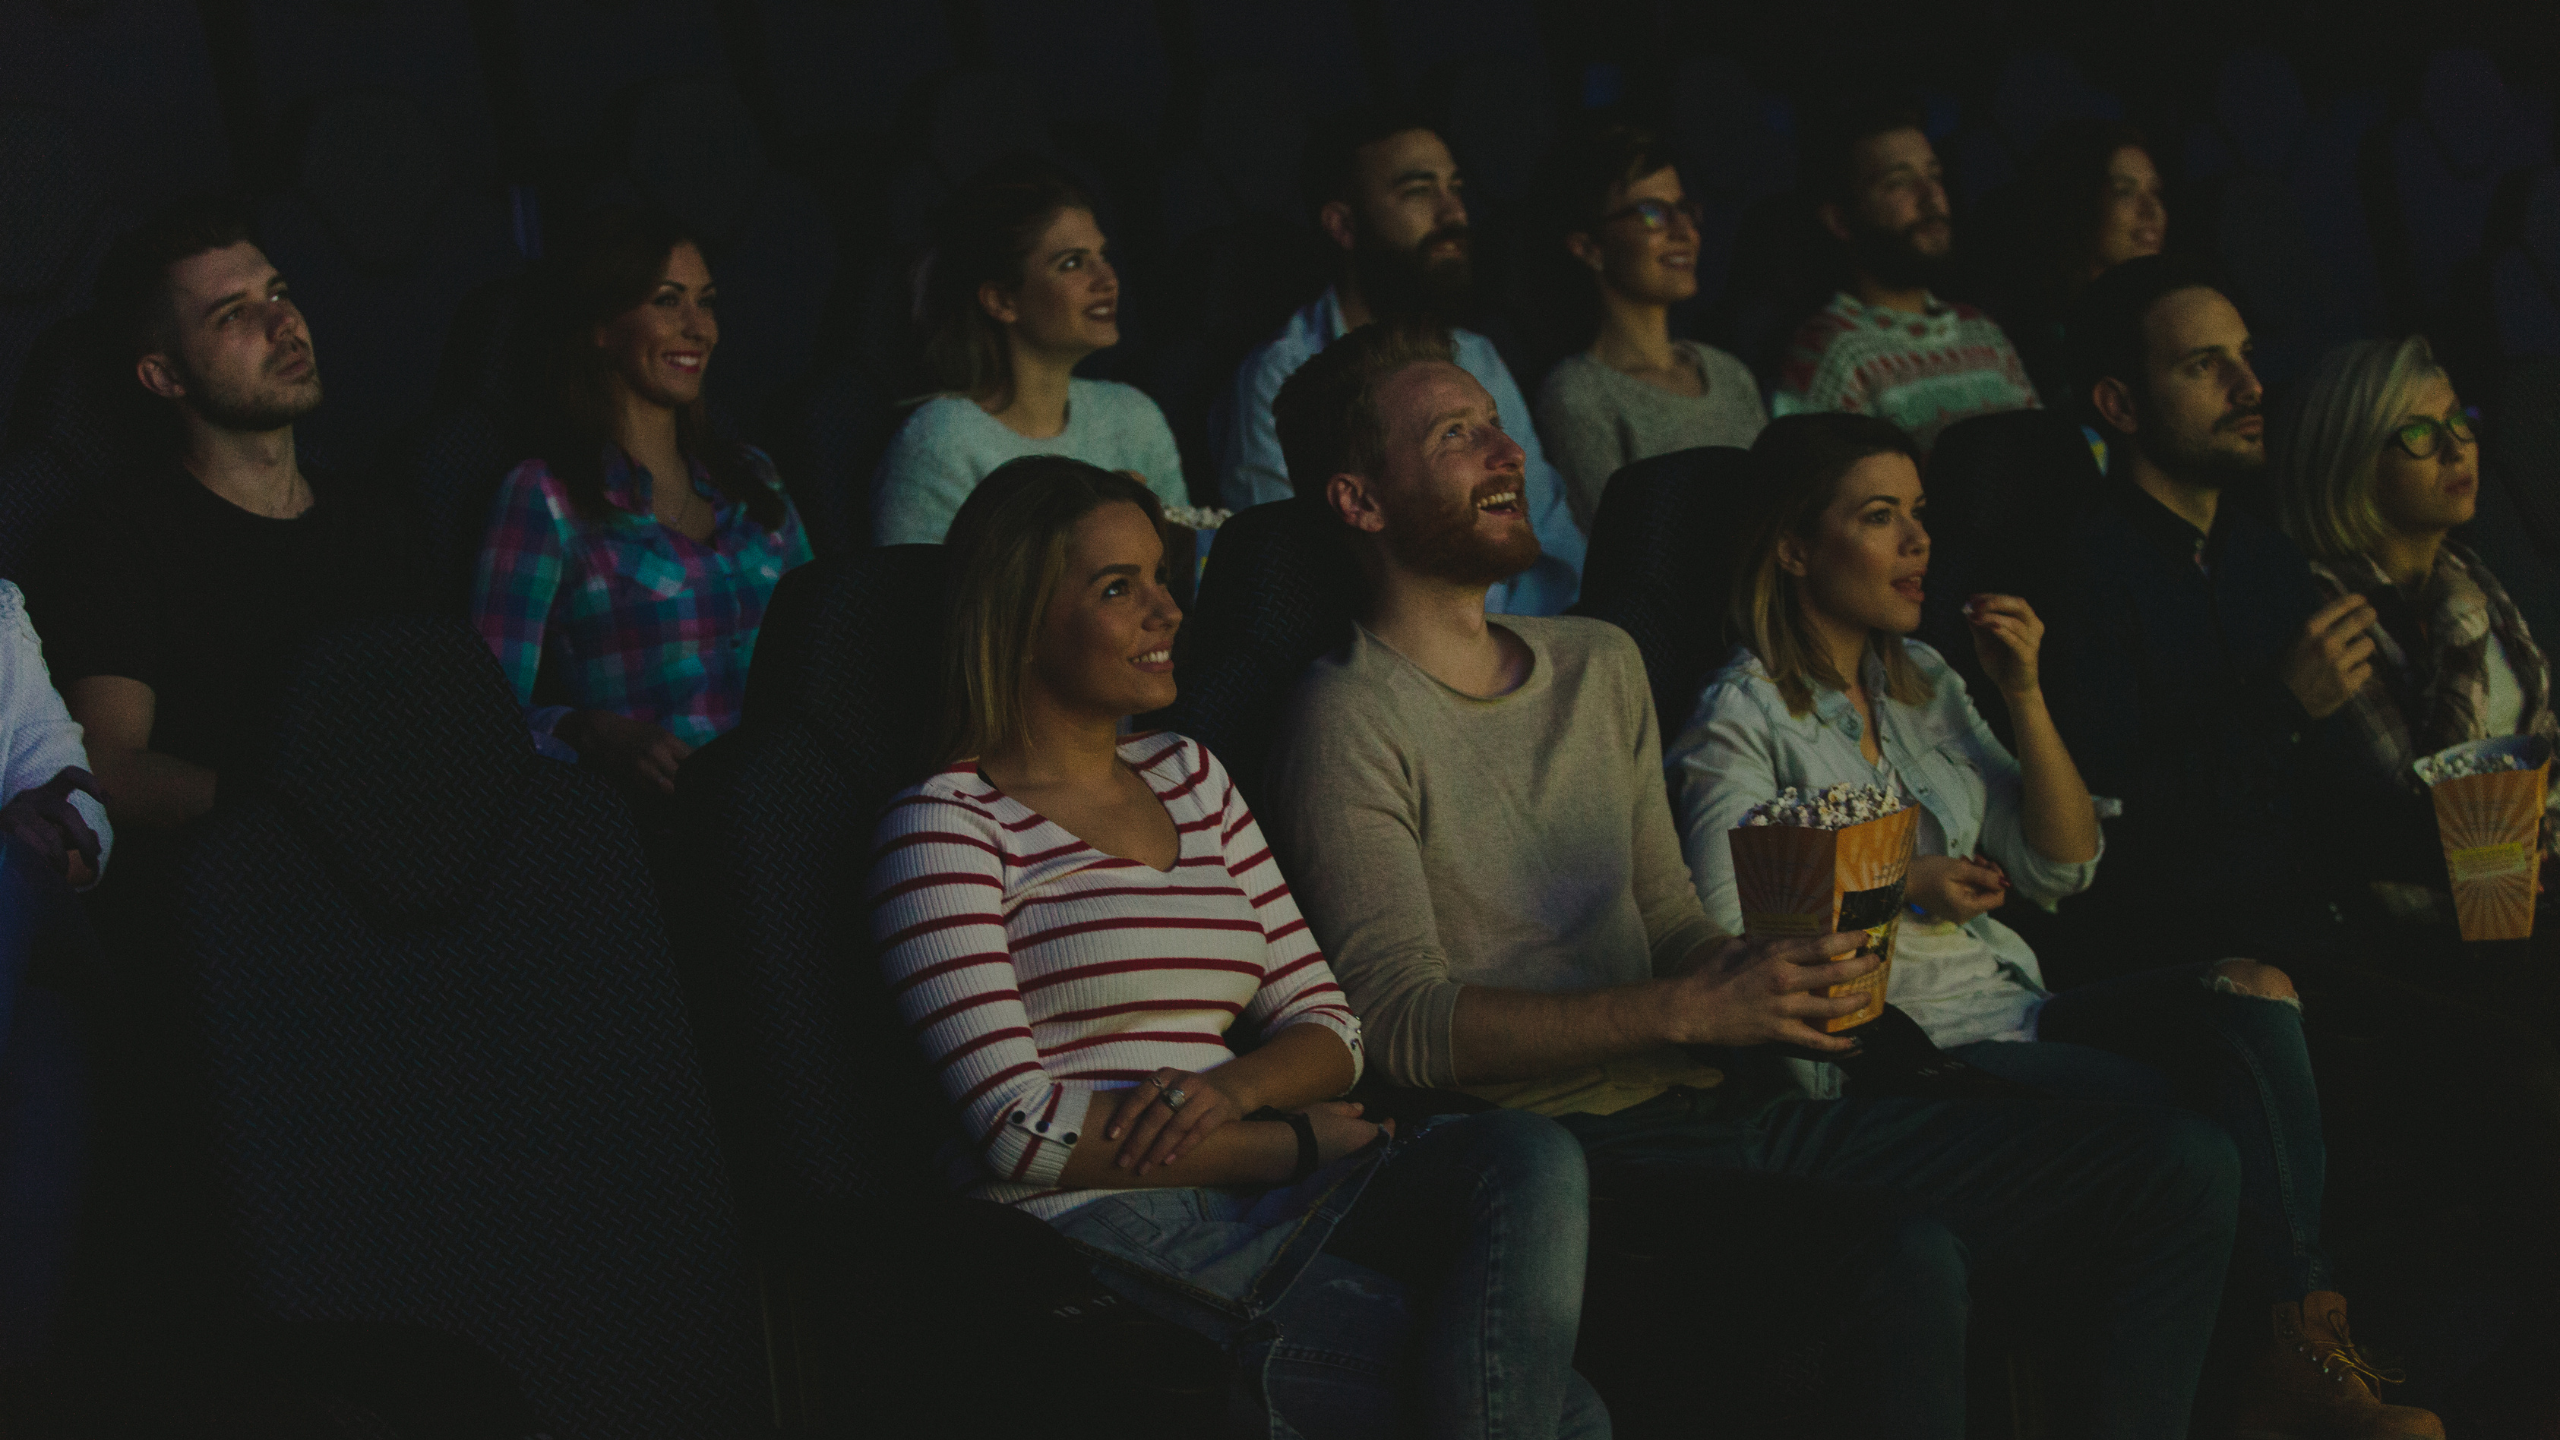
[
  {"x": 1812, "y": 880},
  {"x": 2489, "y": 796}
]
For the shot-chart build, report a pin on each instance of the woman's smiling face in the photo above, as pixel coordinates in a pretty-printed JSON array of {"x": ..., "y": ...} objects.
[
  {"x": 1105, "y": 645},
  {"x": 661, "y": 347}
]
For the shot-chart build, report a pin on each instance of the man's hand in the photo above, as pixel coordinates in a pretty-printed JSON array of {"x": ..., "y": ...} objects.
[
  {"x": 2333, "y": 657},
  {"x": 1954, "y": 890},
  {"x": 1761, "y": 992},
  {"x": 633, "y": 749},
  {"x": 45, "y": 819}
]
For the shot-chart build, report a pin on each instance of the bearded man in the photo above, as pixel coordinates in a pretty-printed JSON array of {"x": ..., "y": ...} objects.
[
  {"x": 171, "y": 602},
  {"x": 1887, "y": 345},
  {"x": 1471, "y": 813},
  {"x": 1386, "y": 193}
]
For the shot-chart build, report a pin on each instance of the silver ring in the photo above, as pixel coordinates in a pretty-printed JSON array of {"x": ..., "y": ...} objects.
[{"x": 1175, "y": 1099}]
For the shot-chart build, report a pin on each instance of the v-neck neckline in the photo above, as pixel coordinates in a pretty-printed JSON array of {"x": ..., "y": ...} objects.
[{"x": 1181, "y": 836}]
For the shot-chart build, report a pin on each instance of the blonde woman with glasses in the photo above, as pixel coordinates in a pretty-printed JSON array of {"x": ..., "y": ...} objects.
[{"x": 2376, "y": 464}]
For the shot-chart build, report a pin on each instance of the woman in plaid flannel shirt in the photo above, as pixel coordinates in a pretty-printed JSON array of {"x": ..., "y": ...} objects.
[{"x": 625, "y": 611}]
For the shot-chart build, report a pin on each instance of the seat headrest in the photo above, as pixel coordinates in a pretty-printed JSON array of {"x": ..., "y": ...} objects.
[
  {"x": 1996, "y": 470},
  {"x": 1660, "y": 565},
  {"x": 1279, "y": 578},
  {"x": 54, "y": 194},
  {"x": 693, "y": 152},
  {"x": 852, "y": 646},
  {"x": 374, "y": 167},
  {"x": 399, "y": 753}
]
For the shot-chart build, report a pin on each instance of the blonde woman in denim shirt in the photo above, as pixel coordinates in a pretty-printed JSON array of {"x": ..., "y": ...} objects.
[{"x": 1828, "y": 690}]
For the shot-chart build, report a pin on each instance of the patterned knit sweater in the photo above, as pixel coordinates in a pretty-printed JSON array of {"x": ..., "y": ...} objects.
[
  {"x": 1922, "y": 372},
  {"x": 1037, "y": 971}
]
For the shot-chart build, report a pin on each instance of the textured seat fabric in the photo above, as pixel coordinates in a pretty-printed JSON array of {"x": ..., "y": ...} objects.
[
  {"x": 838, "y": 714},
  {"x": 1999, "y": 487},
  {"x": 1661, "y": 567},
  {"x": 1280, "y": 590},
  {"x": 446, "y": 1060}
]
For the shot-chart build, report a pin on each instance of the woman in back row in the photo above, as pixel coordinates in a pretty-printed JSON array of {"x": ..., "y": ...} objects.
[
  {"x": 1017, "y": 291},
  {"x": 1091, "y": 940},
  {"x": 627, "y": 569},
  {"x": 1617, "y": 209}
]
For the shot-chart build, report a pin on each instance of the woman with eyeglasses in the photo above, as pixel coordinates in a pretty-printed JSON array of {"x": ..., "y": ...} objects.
[
  {"x": 2376, "y": 463},
  {"x": 1617, "y": 209}
]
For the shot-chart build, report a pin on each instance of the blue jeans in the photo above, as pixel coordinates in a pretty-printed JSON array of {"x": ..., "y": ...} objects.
[
  {"x": 2162, "y": 1036},
  {"x": 1445, "y": 1304},
  {"x": 43, "y": 1113},
  {"x": 2119, "y": 1217}
]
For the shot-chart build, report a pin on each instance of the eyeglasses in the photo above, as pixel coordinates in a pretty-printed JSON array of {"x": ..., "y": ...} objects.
[
  {"x": 2420, "y": 439},
  {"x": 1656, "y": 214}
]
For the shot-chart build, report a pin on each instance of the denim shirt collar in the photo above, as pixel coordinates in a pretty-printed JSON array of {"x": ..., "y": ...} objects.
[{"x": 1833, "y": 709}]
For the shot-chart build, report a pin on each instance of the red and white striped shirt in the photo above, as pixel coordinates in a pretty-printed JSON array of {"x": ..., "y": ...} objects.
[{"x": 1037, "y": 971}]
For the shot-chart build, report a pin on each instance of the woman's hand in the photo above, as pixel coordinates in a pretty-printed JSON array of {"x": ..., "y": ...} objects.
[
  {"x": 1954, "y": 890},
  {"x": 1340, "y": 1131},
  {"x": 44, "y": 819},
  {"x": 632, "y": 749},
  {"x": 2007, "y": 636},
  {"x": 1158, "y": 1133}
]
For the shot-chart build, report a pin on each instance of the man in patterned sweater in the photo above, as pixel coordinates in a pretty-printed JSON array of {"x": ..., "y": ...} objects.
[{"x": 1887, "y": 345}]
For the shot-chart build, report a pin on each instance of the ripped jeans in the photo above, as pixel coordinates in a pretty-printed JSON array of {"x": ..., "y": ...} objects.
[
  {"x": 1445, "y": 1303},
  {"x": 2173, "y": 1036}
]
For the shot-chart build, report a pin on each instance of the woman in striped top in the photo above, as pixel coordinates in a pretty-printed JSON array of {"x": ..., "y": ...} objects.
[{"x": 1090, "y": 938}]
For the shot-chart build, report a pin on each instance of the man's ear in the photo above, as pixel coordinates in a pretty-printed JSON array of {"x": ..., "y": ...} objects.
[
  {"x": 1349, "y": 497},
  {"x": 999, "y": 304},
  {"x": 1791, "y": 556},
  {"x": 2113, "y": 400},
  {"x": 1829, "y": 213},
  {"x": 1585, "y": 249},
  {"x": 159, "y": 376},
  {"x": 1337, "y": 222}
]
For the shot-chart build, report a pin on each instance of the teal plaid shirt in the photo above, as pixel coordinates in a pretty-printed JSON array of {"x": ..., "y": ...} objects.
[{"x": 624, "y": 614}]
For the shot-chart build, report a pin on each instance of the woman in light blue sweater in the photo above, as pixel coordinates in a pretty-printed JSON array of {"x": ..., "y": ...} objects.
[
  {"x": 1827, "y": 689},
  {"x": 1016, "y": 292}
]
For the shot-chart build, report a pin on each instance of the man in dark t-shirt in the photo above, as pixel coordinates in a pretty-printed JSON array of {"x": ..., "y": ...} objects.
[{"x": 171, "y": 603}]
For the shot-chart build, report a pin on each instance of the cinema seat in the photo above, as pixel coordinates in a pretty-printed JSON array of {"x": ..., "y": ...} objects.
[{"x": 445, "y": 1070}]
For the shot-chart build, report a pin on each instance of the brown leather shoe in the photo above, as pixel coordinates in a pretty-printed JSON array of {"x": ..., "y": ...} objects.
[{"x": 2311, "y": 1383}]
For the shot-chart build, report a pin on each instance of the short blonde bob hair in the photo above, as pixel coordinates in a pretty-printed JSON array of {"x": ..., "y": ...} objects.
[
  {"x": 1796, "y": 468},
  {"x": 2330, "y": 435},
  {"x": 1007, "y": 551}
]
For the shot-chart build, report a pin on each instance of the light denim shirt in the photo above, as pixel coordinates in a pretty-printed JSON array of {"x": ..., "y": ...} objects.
[
  {"x": 1978, "y": 981},
  {"x": 1251, "y": 471}
]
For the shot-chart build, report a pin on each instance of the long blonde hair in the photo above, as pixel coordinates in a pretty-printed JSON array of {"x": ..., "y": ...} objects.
[
  {"x": 1008, "y": 549},
  {"x": 1796, "y": 468},
  {"x": 2329, "y": 438}
]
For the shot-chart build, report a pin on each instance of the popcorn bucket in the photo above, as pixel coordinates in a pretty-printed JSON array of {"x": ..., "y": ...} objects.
[
  {"x": 2491, "y": 827},
  {"x": 1799, "y": 880}
]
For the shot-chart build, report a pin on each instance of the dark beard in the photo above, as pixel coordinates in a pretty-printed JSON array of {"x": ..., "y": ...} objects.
[
  {"x": 246, "y": 413},
  {"x": 1895, "y": 262},
  {"x": 1400, "y": 284},
  {"x": 1442, "y": 542},
  {"x": 2202, "y": 464}
]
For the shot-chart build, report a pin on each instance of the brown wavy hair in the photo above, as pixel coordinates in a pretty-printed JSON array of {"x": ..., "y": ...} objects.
[
  {"x": 1796, "y": 468},
  {"x": 612, "y": 263}
]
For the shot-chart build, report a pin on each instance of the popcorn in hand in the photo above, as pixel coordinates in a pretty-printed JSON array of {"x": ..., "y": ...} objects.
[
  {"x": 1197, "y": 517},
  {"x": 1836, "y": 808},
  {"x": 2437, "y": 769}
]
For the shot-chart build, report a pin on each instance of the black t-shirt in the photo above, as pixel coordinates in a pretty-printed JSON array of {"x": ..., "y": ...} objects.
[{"x": 160, "y": 580}]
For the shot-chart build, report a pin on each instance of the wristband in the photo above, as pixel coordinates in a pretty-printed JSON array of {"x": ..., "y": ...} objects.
[{"x": 1305, "y": 1129}]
